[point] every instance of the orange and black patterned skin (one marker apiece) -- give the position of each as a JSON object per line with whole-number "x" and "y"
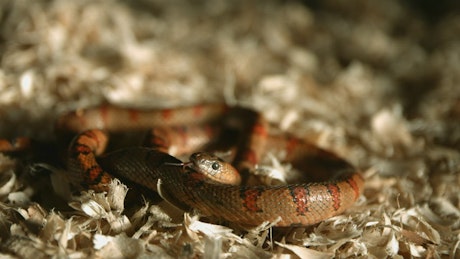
{"x": 337, "y": 184}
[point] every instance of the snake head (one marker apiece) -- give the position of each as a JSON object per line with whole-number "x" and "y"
{"x": 214, "y": 168}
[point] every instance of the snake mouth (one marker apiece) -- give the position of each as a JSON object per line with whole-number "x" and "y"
{"x": 191, "y": 167}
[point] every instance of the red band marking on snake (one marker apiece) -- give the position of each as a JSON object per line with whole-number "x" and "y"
{"x": 82, "y": 149}
{"x": 260, "y": 130}
{"x": 334, "y": 191}
{"x": 167, "y": 114}
{"x": 354, "y": 186}
{"x": 300, "y": 199}
{"x": 94, "y": 175}
{"x": 249, "y": 199}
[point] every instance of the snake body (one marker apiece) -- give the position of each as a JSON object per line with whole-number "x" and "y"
{"x": 336, "y": 186}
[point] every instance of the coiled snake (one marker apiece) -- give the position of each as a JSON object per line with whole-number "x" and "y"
{"x": 206, "y": 182}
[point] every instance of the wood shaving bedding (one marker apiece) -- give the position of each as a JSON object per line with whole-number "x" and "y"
{"x": 376, "y": 82}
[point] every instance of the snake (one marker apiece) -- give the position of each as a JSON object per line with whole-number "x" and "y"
{"x": 205, "y": 182}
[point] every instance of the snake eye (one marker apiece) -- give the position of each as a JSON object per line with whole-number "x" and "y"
{"x": 215, "y": 166}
